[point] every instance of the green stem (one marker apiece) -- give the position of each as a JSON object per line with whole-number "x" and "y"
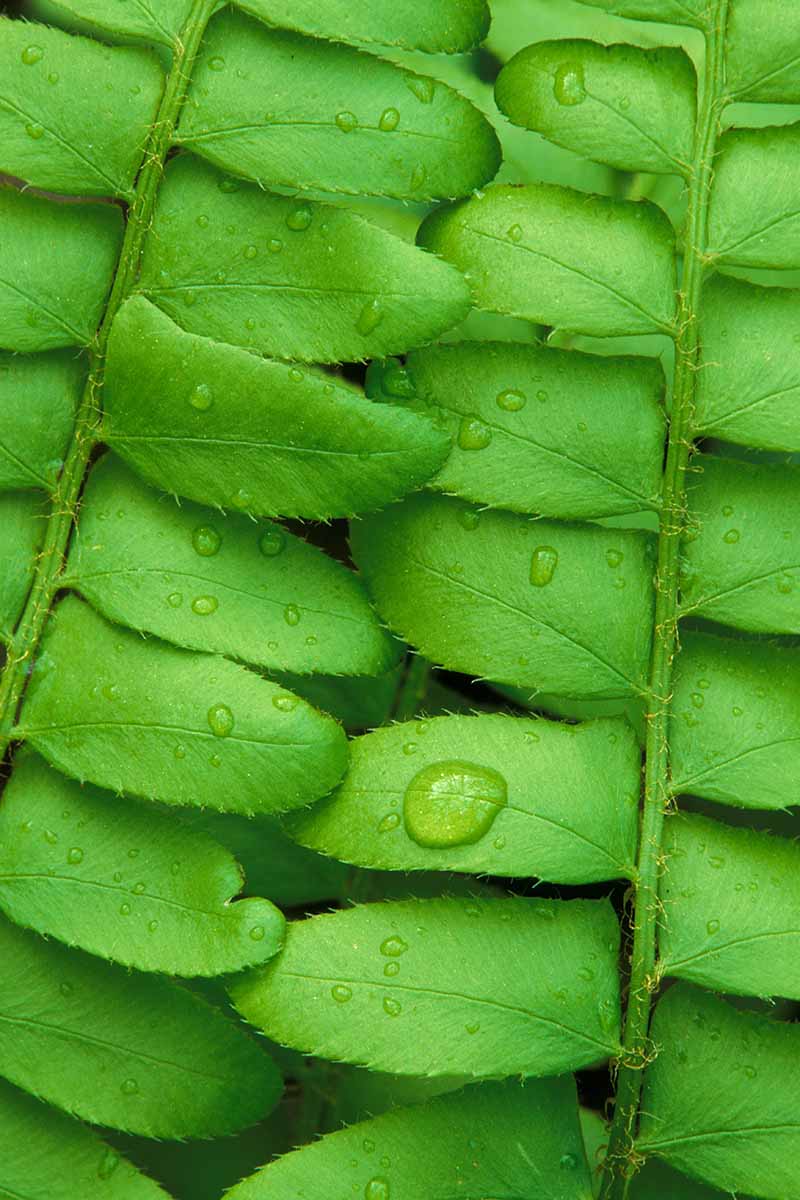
{"x": 644, "y": 978}
{"x": 66, "y": 494}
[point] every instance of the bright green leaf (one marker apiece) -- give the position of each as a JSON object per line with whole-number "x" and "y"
{"x": 742, "y": 559}
{"x": 763, "y": 51}
{"x": 598, "y": 266}
{"x": 565, "y": 435}
{"x": 748, "y": 384}
{"x": 295, "y": 279}
{"x": 157, "y": 21}
{"x": 495, "y": 794}
{"x": 133, "y": 1052}
{"x": 731, "y": 902}
{"x": 283, "y": 109}
{"x": 124, "y": 881}
{"x": 508, "y": 598}
{"x": 735, "y": 729}
{"x": 497, "y": 1139}
{"x": 48, "y": 1156}
{"x": 631, "y": 108}
{"x": 226, "y": 584}
{"x": 432, "y": 987}
{"x": 719, "y": 1102}
{"x": 140, "y": 716}
{"x": 56, "y": 264}
{"x": 22, "y": 523}
{"x": 40, "y": 393}
{"x": 754, "y": 220}
{"x": 74, "y": 115}
{"x": 447, "y": 26}
{"x": 227, "y": 428}
{"x": 675, "y": 12}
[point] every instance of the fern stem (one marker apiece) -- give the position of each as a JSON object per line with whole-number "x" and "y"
{"x": 644, "y": 976}
{"x": 66, "y": 494}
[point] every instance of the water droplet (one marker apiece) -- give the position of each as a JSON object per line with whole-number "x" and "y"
{"x": 750, "y": 1072}
{"x": 285, "y": 703}
{"x": 51, "y": 837}
{"x": 515, "y": 233}
{"x": 341, "y": 993}
{"x": 544, "y": 561}
{"x": 731, "y": 537}
{"x": 152, "y": 926}
{"x": 369, "y": 1145}
{"x": 201, "y": 397}
{"x": 347, "y": 121}
{"x": 205, "y": 605}
{"x": 473, "y": 434}
{"x": 291, "y": 614}
{"x": 31, "y": 55}
{"x": 568, "y": 1162}
{"x": 370, "y": 317}
{"x": 202, "y": 221}
{"x": 175, "y": 599}
{"x": 542, "y": 396}
{"x": 716, "y": 861}
{"x": 568, "y": 84}
{"x": 34, "y": 130}
{"x": 397, "y": 381}
{"x": 422, "y": 87}
{"x": 377, "y": 1189}
{"x": 391, "y": 969}
{"x": 220, "y": 720}
{"x": 392, "y": 1007}
{"x": 698, "y": 699}
{"x": 53, "y": 77}
{"x": 389, "y": 822}
{"x": 586, "y": 973}
{"x": 469, "y": 519}
{"x": 614, "y": 558}
{"x": 109, "y": 1162}
{"x": 452, "y": 803}
{"x": 393, "y": 946}
{"x": 125, "y": 910}
{"x": 75, "y": 855}
{"x": 511, "y": 400}
{"x": 624, "y": 103}
{"x": 206, "y": 540}
{"x": 411, "y": 747}
{"x": 274, "y": 245}
{"x": 216, "y": 63}
{"x": 712, "y": 927}
{"x": 299, "y": 218}
{"x": 472, "y": 1029}
{"x": 389, "y": 120}
{"x": 129, "y": 1087}
{"x": 257, "y": 933}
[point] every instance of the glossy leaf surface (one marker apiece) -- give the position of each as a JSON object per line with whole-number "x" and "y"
{"x": 40, "y": 393}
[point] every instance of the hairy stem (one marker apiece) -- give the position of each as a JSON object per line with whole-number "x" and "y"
{"x": 66, "y": 494}
{"x": 636, "y": 1048}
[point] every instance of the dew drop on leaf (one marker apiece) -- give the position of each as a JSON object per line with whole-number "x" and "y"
{"x": 220, "y": 720}
{"x": 422, "y": 87}
{"x": 341, "y": 993}
{"x": 299, "y": 218}
{"x": 31, "y": 55}
{"x": 129, "y": 1087}
{"x": 452, "y": 803}
{"x": 291, "y": 614}
{"x": 206, "y": 541}
{"x": 511, "y": 400}
{"x": 473, "y": 434}
{"x": 201, "y": 397}
{"x": 257, "y": 933}
{"x": 34, "y": 130}
{"x": 389, "y": 822}
{"x": 544, "y": 561}
{"x": 389, "y": 120}
{"x": 392, "y": 1007}
{"x": 346, "y": 121}
{"x": 284, "y": 703}
{"x": 205, "y": 605}
{"x": 568, "y": 84}
{"x": 271, "y": 542}
{"x": 370, "y": 317}
{"x": 377, "y": 1189}
{"x": 394, "y": 946}
{"x": 712, "y": 927}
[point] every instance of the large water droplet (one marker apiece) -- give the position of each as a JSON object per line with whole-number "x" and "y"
{"x": 206, "y": 540}
{"x": 285, "y": 703}
{"x": 452, "y": 803}
{"x": 511, "y": 400}
{"x": 347, "y": 121}
{"x": 220, "y": 720}
{"x": 473, "y": 434}
{"x": 341, "y": 993}
{"x": 205, "y": 605}
{"x": 394, "y": 946}
{"x": 544, "y": 561}
{"x": 299, "y": 218}
{"x": 568, "y": 84}
{"x": 389, "y": 120}
{"x": 377, "y": 1189}
{"x": 31, "y": 55}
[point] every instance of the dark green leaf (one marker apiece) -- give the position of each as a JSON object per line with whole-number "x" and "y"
{"x": 39, "y": 396}
{"x": 227, "y": 428}
{"x": 448, "y": 25}
{"x": 56, "y": 264}
{"x": 22, "y": 523}
{"x": 221, "y": 583}
{"x": 397, "y": 986}
{"x": 290, "y": 277}
{"x": 763, "y": 51}
{"x": 631, "y": 108}
{"x": 133, "y": 1052}
{"x": 283, "y": 109}
{"x": 735, "y": 730}
{"x": 731, "y": 908}
{"x": 361, "y": 702}
{"x": 742, "y": 559}
{"x": 508, "y": 598}
{"x": 719, "y": 1102}
{"x": 563, "y": 434}
{"x": 124, "y": 881}
{"x": 748, "y": 385}
{"x": 47, "y": 1156}
{"x": 492, "y": 793}
{"x": 549, "y": 254}
{"x": 495, "y": 1139}
{"x": 140, "y": 716}
{"x": 754, "y": 220}
{"x": 74, "y": 115}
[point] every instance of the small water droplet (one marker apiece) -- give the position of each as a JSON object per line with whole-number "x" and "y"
{"x": 712, "y": 927}
{"x": 75, "y": 855}
{"x": 205, "y": 605}
{"x": 544, "y": 561}
{"x": 125, "y": 910}
{"x": 417, "y": 177}
{"x": 392, "y": 1007}
{"x": 220, "y": 720}
{"x": 129, "y": 1087}
{"x": 346, "y": 121}
{"x": 257, "y": 933}
{"x": 514, "y": 233}
{"x": 624, "y": 103}
{"x": 291, "y": 614}
{"x": 377, "y": 1189}
{"x": 216, "y": 63}
{"x": 271, "y": 542}
{"x": 299, "y": 218}
{"x": 731, "y": 537}
{"x": 452, "y": 803}
{"x": 391, "y": 969}
{"x": 511, "y": 400}
{"x": 201, "y": 398}
{"x": 138, "y": 889}
{"x": 31, "y": 55}
{"x": 393, "y": 946}
{"x": 206, "y": 541}
{"x": 614, "y": 558}
{"x": 389, "y": 120}
{"x": 341, "y": 993}
{"x": 51, "y": 837}
{"x": 410, "y": 747}
{"x": 750, "y": 1072}
{"x": 370, "y": 317}
{"x": 473, "y": 434}
{"x": 175, "y": 599}
{"x": 542, "y": 396}
{"x": 285, "y": 703}
{"x": 274, "y": 245}
{"x": 202, "y": 221}
{"x": 34, "y": 130}
{"x": 568, "y": 1162}
{"x": 389, "y": 822}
